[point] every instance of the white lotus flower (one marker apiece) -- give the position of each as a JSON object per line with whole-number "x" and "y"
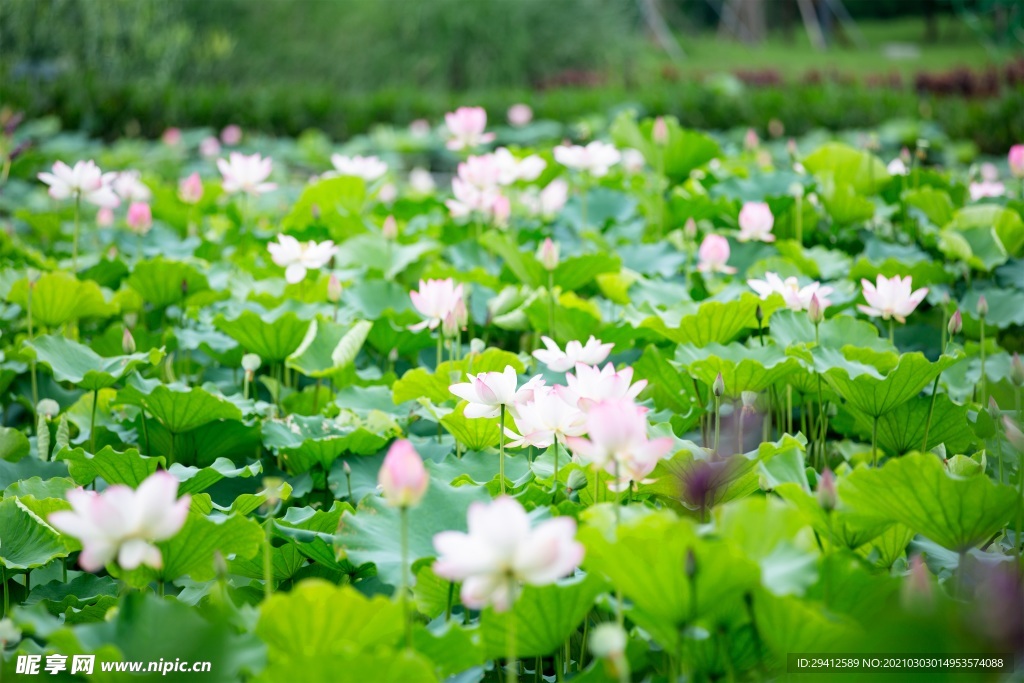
{"x": 299, "y": 257}
{"x": 246, "y": 173}
{"x": 368, "y": 168}
{"x": 593, "y": 352}
{"x": 84, "y": 180}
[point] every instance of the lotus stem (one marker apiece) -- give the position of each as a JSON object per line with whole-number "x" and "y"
{"x": 984, "y": 380}
{"x": 511, "y": 664}
{"x": 403, "y": 513}
{"x": 268, "y": 565}
{"x": 7, "y": 597}
{"x": 74, "y": 238}
{"x": 451, "y": 599}
{"x": 32, "y": 363}
{"x": 798, "y": 219}
{"x": 554, "y": 487}
{"x": 92, "y": 421}
{"x": 718, "y": 424}
{"x": 892, "y": 331}
{"x": 501, "y": 451}
{"x": 551, "y": 304}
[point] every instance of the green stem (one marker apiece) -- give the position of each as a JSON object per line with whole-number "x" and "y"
{"x": 551, "y": 304}
{"x": 718, "y": 422}
{"x": 440, "y": 349}
{"x": 404, "y": 586}
{"x": 799, "y": 219}
{"x": 451, "y": 599}
{"x": 1020, "y": 505}
{"x": 32, "y": 363}
{"x": 74, "y": 239}
{"x": 92, "y": 421}
{"x": 7, "y": 597}
{"x": 892, "y": 331}
{"x": 316, "y": 396}
{"x": 501, "y": 448}
{"x": 511, "y": 664}
{"x": 935, "y": 391}
{"x": 268, "y": 565}
{"x": 554, "y": 486}
{"x": 145, "y": 430}
{"x": 984, "y": 380}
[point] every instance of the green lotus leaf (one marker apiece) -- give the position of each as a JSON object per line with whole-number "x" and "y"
{"x": 304, "y": 442}
{"x": 420, "y": 383}
{"x": 712, "y": 321}
{"x": 862, "y": 171}
{"x": 328, "y": 347}
{"x": 39, "y": 488}
{"x": 476, "y": 434}
{"x": 793, "y": 327}
{"x": 901, "y": 430}
{"x": 935, "y": 204}
{"x": 373, "y": 252}
{"x": 26, "y": 540}
{"x": 453, "y": 648}
{"x": 196, "y": 479}
{"x": 916, "y": 490}
{"x": 273, "y": 335}
{"x": 14, "y": 445}
{"x": 111, "y": 466}
{"x": 162, "y": 282}
{"x": 666, "y": 386}
{"x": 84, "y": 589}
{"x": 788, "y": 624}
{"x": 1007, "y": 224}
{"x": 336, "y": 203}
{"x": 80, "y": 365}
{"x": 843, "y": 527}
{"x": 312, "y": 531}
{"x": 685, "y": 150}
{"x": 979, "y": 247}
{"x": 60, "y": 297}
{"x": 742, "y": 368}
{"x": 177, "y": 407}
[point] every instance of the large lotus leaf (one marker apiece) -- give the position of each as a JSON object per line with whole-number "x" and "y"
{"x": 177, "y": 407}
{"x": 861, "y": 170}
{"x": 196, "y": 479}
{"x": 788, "y": 624}
{"x": 203, "y": 445}
{"x": 876, "y": 383}
{"x": 901, "y": 430}
{"x": 332, "y": 202}
{"x": 162, "y": 282}
{"x": 936, "y": 205}
{"x": 14, "y": 445}
{"x": 742, "y": 368}
{"x": 388, "y": 665}
{"x": 684, "y": 151}
{"x": 113, "y": 467}
{"x": 60, "y": 297}
{"x": 84, "y": 589}
{"x": 844, "y": 204}
{"x": 476, "y": 434}
{"x": 816, "y": 262}
{"x": 1007, "y": 224}
{"x": 544, "y": 617}
{"x": 373, "y": 252}
{"x": 453, "y": 648}
{"x": 372, "y": 533}
{"x": 792, "y": 327}
{"x": 842, "y": 527}
{"x": 712, "y": 321}
{"x": 273, "y": 336}
{"x": 26, "y": 541}
{"x": 328, "y": 347}
{"x": 956, "y": 512}
{"x": 978, "y": 247}
{"x": 312, "y": 531}
{"x": 1005, "y": 306}
{"x": 646, "y": 560}
{"x": 39, "y": 488}
{"x": 80, "y": 365}
{"x": 890, "y": 545}
{"x": 666, "y": 386}
{"x": 307, "y": 441}
{"x": 420, "y": 383}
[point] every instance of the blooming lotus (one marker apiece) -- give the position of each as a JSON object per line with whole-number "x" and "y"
{"x": 500, "y": 552}
{"x": 549, "y": 201}
{"x": 130, "y": 188}
{"x": 421, "y": 180}
{"x": 209, "y": 147}
{"x": 756, "y": 223}
{"x": 84, "y": 180}
{"x": 124, "y": 524}
{"x": 986, "y": 188}
{"x": 797, "y": 298}
{"x": 512, "y": 170}
{"x": 247, "y": 174}
{"x": 591, "y": 353}
{"x": 466, "y": 125}
{"x": 299, "y": 257}
{"x": 368, "y": 168}
{"x": 633, "y": 160}
{"x": 897, "y": 167}
{"x": 519, "y": 115}
{"x": 488, "y": 392}
{"x": 891, "y": 297}
{"x": 590, "y": 385}
{"x": 190, "y": 189}
{"x": 140, "y": 217}
{"x": 596, "y": 158}
{"x": 402, "y": 477}
{"x": 545, "y": 419}
{"x": 435, "y": 299}
{"x": 231, "y": 135}
{"x": 713, "y": 255}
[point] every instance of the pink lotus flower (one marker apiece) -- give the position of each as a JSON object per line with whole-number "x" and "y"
{"x": 593, "y": 352}
{"x": 659, "y": 131}
{"x": 633, "y": 160}
{"x": 171, "y": 137}
{"x": 83, "y": 181}
{"x": 756, "y": 223}
{"x": 140, "y": 217}
{"x": 124, "y": 524}
{"x": 547, "y": 254}
{"x": 713, "y": 255}
{"x": 402, "y": 476}
{"x": 246, "y": 173}
{"x": 231, "y": 135}
{"x": 512, "y": 169}
{"x": 501, "y": 552}
{"x": 596, "y": 158}
{"x": 545, "y": 420}
{"x": 986, "y": 188}
{"x": 489, "y": 391}
{"x": 590, "y": 385}
{"x": 389, "y": 230}
{"x": 617, "y": 431}
{"x": 419, "y": 128}
{"x": 466, "y": 126}
{"x": 435, "y": 299}
{"x": 190, "y": 189}
{"x": 897, "y": 167}
{"x": 549, "y": 201}
{"x": 469, "y": 199}
{"x": 299, "y": 257}
{"x": 891, "y": 297}
{"x": 797, "y": 298}
{"x": 209, "y": 147}
{"x": 105, "y": 217}
{"x": 368, "y": 168}
{"x": 1016, "y": 160}
{"x": 130, "y": 188}
{"x": 519, "y": 115}
{"x": 422, "y": 181}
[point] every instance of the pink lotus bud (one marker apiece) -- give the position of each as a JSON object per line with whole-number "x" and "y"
{"x": 750, "y": 140}
{"x": 690, "y": 229}
{"x": 982, "y": 306}
{"x": 333, "y": 289}
{"x": 1016, "y": 160}
{"x": 190, "y": 189}
{"x": 127, "y": 341}
{"x": 827, "y": 490}
{"x": 171, "y": 137}
{"x": 791, "y": 147}
{"x": 390, "y": 228}
{"x": 660, "y": 131}
{"x": 519, "y": 115}
{"x": 917, "y": 587}
{"x": 956, "y": 323}
{"x": 140, "y": 217}
{"x": 815, "y": 311}
{"x": 209, "y": 147}
{"x": 450, "y": 325}
{"x": 105, "y": 217}
{"x": 231, "y": 135}
{"x": 713, "y": 255}
{"x": 547, "y": 254}
{"x": 905, "y": 155}
{"x": 1016, "y": 370}
{"x": 993, "y": 409}
{"x": 719, "y": 386}
{"x": 402, "y": 477}
{"x": 1013, "y": 433}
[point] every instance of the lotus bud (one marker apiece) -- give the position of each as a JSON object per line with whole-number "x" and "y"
{"x": 190, "y": 189}
{"x": 956, "y": 323}
{"x": 608, "y": 641}
{"x": 815, "y": 311}
{"x": 334, "y": 289}
{"x": 905, "y": 155}
{"x": 140, "y": 217}
{"x": 764, "y": 483}
{"x": 390, "y": 229}
{"x": 719, "y": 386}
{"x": 450, "y": 325}
{"x": 690, "y": 229}
{"x": 1016, "y": 370}
{"x": 827, "y": 490}
{"x": 9, "y": 633}
{"x": 982, "y": 306}
{"x": 48, "y": 408}
{"x": 577, "y": 480}
{"x": 220, "y": 565}
{"x": 477, "y": 346}
{"x": 402, "y": 476}
{"x": 1013, "y": 433}
{"x": 346, "y": 468}
{"x": 251, "y": 363}
{"x": 791, "y": 147}
{"x": 1016, "y": 160}
{"x": 105, "y": 217}
{"x": 547, "y": 254}
{"x": 917, "y": 586}
{"x": 127, "y": 342}
{"x": 660, "y": 132}
{"x": 749, "y": 398}
{"x": 750, "y": 140}
{"x": 690, "y": 566}
{"x": 993, "y": 409}
{"x": 759, "y": 314}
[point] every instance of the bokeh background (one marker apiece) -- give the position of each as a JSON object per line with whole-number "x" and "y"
{"x": 135, "y": 67}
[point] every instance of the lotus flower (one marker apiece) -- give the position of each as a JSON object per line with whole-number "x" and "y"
{"x": 713, "y": 255}
{"x": 209, "y": 147}
{"x": 489, "y": 391}
{"x": 130, "y": 188}
{"x": 299, "y": 257}
{"x": 246, "y": 173}
{"x": 124, "y": 524}
{"x": 756, "y": 223}
{"x": 891, "y": 297}
{"x": 500, "y": 552}
{"x": 591, "y": 353}
{"x": 231, "y": 135}
{"x": 367, "y": 168}
{"x": 402, "y": 477}
{"x": 797, "y": 298}
{"x": 1016, "y": 160}
{"x": 549, "y": 201}
{"x": 547, "y": 254}
{"x": 545, "y": 420}
{"x": 590, "y": 385}
{"x": 435, "y": 299}
{"x": 421, "y": 181}
{"x": 140, "y": 217}
{"x": 519, "y": 115}
{"x": 512, "y": 170}
{"x": 596, "y": 158}
{"x": 190, "y": 189}
{"x": 466, "y": 126}
{"x": 986, "y": 188}
{"x": 83, "y": 181}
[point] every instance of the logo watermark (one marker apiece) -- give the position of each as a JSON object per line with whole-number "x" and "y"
{"x": 86, "y": 664}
